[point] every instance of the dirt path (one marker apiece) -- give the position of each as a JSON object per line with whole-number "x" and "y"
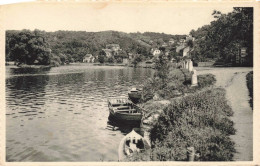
{"x": 234, "y": 81}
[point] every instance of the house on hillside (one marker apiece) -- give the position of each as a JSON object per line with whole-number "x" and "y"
{"x": 125, "y": 60}
{"x": 183, "y": 48}
{"x": 164, "y": 44}
{"x": 171, "y": 41}
{"x": 180, "y": 47}
{"x": 182, "y": 41}
{"x": 108, "y": 52}
{"x": 189, "y": 37}
{"x": 186, "y": 51}
{"x": 114, "y": 47}
{"x": 112, "y": 50}
{"x": 88, "y": 58}
{"x": 155, "y": 52}
{"x": 130, "y": 56}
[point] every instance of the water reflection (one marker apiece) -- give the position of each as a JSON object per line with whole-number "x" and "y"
{"x": 62, "y": 115}
{"x": 28, "y": 70}
{"x": 26, "y": 95}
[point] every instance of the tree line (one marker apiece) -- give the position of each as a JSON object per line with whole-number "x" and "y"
{"x": 225, "y": 36}
{"x": 45, "y": 48}
{"x": 221, "y": 40}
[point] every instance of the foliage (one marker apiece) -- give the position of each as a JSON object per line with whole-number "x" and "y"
{"x": 172, "y": 82}
{"x": 206, "y": 80}
{"x": 74, "y": 45}
{"x": 249, "y": 78}
{"x": 55, "y": 60}
{"x": 101, "y": 56}
{"x": 162, "y": 67}
{"x": 200, "y": 120}
{"x": 224, "y": 37}
{"x": 28, "y": 47}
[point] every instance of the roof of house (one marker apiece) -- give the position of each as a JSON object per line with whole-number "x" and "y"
{"x": 107, "y": 50}
{"x": 88, "y": 55}
{"x": 112, "y": 45}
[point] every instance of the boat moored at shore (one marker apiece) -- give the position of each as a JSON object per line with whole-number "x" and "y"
{"x": 135, "y": 94}
{"x": 122, "y": 109}
{"x": 132, "y": 142}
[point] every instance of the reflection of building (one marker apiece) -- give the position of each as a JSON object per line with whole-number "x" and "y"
{"x": 88, "y": 58}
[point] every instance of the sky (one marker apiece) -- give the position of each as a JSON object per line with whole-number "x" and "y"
{"x": 170, "y": 18}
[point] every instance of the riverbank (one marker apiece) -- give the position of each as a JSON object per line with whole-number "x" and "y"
{"x": 227, "y": 145}
{"x": 199, "y": 118}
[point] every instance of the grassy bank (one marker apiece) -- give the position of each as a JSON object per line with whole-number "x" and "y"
{"x": 174, "y": 83}
{"x": 180, "y": 115}
{"x": 249, "y": 78}
{"x": 200, "y": 120}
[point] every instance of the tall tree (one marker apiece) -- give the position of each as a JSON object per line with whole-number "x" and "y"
{"x": 225, "y": 36}
{"x": 29, "y": 47}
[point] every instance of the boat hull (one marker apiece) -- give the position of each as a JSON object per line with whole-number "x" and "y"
{"x": 125, "y": 117}
{"x": 134, "y": 96}
{"x": 121, "y": 149}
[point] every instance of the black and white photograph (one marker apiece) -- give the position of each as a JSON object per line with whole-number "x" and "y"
{"x": 122, "y": 82}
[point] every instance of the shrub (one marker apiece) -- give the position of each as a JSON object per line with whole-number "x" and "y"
{"x": 206, "y": 80}
{"x": 176, "y": 82}
{"x": 249, "y": 78}
{"x": 200, "y": 120}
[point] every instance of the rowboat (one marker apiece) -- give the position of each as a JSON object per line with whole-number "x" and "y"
{"x": 135, "y": 95}
{"x": 132, "y": 142}
{"x": 122, "y": 109}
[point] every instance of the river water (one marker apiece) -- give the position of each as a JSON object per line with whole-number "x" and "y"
{"x": 62, "y": 114}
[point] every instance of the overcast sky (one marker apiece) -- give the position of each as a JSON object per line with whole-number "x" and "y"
{"x": 153, "y": 17}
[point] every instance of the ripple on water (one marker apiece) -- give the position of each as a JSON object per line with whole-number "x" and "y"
{"x": 72, "y": 107}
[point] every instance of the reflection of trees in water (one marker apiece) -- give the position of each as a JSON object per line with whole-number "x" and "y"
{"x": 26, "y": 90}
{"x": 72, "y": 78}
{"x": 28, "y": 83}
{"x": 28, "y": 70}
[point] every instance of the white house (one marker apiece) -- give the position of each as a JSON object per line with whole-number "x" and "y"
{"x": 171, "y": 41}
{"x": 88, "y": 58}
{"x": 114, "y": 47}
{"x": 108, "y": 52}
{"x": 190, "y": 38}
{"x": 156, "y": 52}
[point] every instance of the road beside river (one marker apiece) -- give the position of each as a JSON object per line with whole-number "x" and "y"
{"x": 234, "y": 81}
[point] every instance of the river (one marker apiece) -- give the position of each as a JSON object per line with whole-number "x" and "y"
{"x": 62, "y": 114}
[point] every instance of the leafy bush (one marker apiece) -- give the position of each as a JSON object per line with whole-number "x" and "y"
{"x": 249, "y": 78}
{"x": 175, "y": 83}
{"x": 200, "y": 120}
{"x": 206, "y": 80}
